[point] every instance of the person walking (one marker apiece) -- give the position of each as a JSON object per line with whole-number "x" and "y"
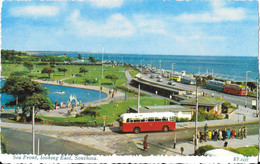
{"x": 206, "y": 127}
{"x": 201, "y": 136}
{"x": 145, "y": 144}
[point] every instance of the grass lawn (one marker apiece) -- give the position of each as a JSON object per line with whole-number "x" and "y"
{"x": 133, "y": 73}
{"x": 93, "y": 72}
{"x": 110, "y": 110}
{"x": 247, "y": 151}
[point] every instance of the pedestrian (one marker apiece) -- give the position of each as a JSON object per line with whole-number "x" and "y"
{"x": 206, "y": 136}
{"x": 220, "y": 137}
{"x": 156, "y": 92}
{"x": 245, "y": 131}
{"x": 112, "y": 94}
{"x": 198, "y": 138}
{"x": 217, "y": 135}
{"x": 242, "y": 132}
{"x": 145, "y": 144}
{"x": 182, "y": 150}
{"x": 233, "y": 133}
{"x": 201, "y": 136}
{"x": 224, "y": 134}
{"x": 193, "y": 138}
{"x": 209, "y": 135}
{"x": 206, "y": 127}
{"x": 239, "y": 133}
{"x": 174, "y": 142}
{"x": 213, "y": 134}
{"x": 228, "y": 133}
{"x": 225, "y": 144}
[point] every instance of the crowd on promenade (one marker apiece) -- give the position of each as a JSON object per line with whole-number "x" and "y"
{"x": 219, "y": 134}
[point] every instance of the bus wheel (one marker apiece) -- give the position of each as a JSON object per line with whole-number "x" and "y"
{"x": 136, "y": 130}
{"x": 165, "y": 129}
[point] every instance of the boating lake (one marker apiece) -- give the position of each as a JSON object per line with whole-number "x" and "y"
{"x": 83, "y": 95}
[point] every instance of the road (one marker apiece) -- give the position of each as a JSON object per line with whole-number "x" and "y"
{"x": 98, "y": 143}
{"x": 240, "y": 100}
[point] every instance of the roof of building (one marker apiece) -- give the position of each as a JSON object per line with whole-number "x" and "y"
{"x": 162, "y": 108}
{"x": 203, "y": 101}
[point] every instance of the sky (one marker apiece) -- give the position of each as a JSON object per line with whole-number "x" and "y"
{"x": 216, "y": 28}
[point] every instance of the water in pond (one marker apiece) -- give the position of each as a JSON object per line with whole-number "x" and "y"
{"x": 83, "y": 95}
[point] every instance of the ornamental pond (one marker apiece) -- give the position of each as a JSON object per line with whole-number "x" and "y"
{"x": 56, "y": 95}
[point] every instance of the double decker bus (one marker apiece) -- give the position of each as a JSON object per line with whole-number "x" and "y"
{"x": 215, "y": 85}
{"x": 234, "y": 89}
{"x": 141, "y": 122}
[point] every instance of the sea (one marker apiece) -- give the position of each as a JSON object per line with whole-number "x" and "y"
{"x": 226, "y": 67}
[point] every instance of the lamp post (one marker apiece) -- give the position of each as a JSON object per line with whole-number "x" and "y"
{"x": 246, "y": 88}
{"x": 196, "y": 121}
{"x": 172, "y": 68}
{"x": 257, "y": 96}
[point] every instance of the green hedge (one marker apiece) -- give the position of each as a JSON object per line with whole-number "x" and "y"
{"x": 3, "y": 144}
{"x": 202, "y": 149}
{"x": 130, "y": 90}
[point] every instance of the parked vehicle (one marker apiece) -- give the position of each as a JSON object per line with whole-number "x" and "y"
{"x": 188, "y": 80}
{"x": 159, "y": 80}
{"x": 140, "y": 122}
{"x": 215, "y": 85}
{"x": 171, "y": 83}
{"x": 234, "y": 89}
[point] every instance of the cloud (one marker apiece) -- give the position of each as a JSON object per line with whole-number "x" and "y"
{"x": 114, "y": 26}
{"x": 150, "y": 24}
{"x": 219, "y": 13}
{"x": 106, "y": 3}
{"x": 34, "y": 11}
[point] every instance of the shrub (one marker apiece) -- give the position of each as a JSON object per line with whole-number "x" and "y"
{"x": 202, "y": 149}
{"x": 202, "y": 116}
{"x": 78, "y": 75}
{"x": 226, "y": 105}
{"x": 3, "y": 144}
{"x": 130, "y": 90}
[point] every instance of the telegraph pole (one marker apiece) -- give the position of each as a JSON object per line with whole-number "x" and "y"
{"x": 246, "y": 88}
{"x": 257, "y": 96}
{"x": 196, "y": 121}
{"x": 138, "y": 108}
{"x": 33, "y": 134}
{"x": 102, "y": 62}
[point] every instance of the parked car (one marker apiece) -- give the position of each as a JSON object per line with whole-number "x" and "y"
{"x": 159, "y": 76}
{"x": 160, "y": 80}
{"x": 171, "y": 83}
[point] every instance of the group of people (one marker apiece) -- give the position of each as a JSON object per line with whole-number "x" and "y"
{"x": 219, "y": 134}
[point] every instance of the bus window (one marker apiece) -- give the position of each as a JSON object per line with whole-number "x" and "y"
{"x": 164, "y": 119}
{"x": 128, "y": 120}
{"x": 172, "y": 119}
{"x": 158, "y": 119}
{"x": 150, "y": 119}
{"x": 142, "y": 120}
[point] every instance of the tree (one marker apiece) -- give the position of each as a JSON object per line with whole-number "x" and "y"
{"x": 83, "y": 70}
{"x": 93, "y": 60}
{"x": 28, "y": 65}
{"x": 209, "y": 77}
{"x": 112, "y": 77}
{"x": 48, "y": 70}
{"x": 199, "y": 80}
{"x": 61, "y": 69}
{"x": 27, "y": 92}
{"x": 92, "y": 111}
{"x": 52, "y": 61}
{"x": 79, "y": 56}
